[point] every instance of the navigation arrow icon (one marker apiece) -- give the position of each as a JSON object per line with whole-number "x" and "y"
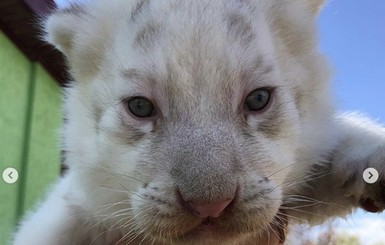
{"x": 370, "y": 175}
{"x": 10, "y": 175}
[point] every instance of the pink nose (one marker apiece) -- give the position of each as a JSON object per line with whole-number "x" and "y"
{"x": 210, "y": 210}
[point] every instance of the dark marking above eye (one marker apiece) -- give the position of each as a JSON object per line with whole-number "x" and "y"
{"x": 132, "y": 73}
{"x": 146, "y": 36}
{"x": 239, "y": 27}
{"x": 139, "y": 76}
{"x": 258, "y": 69}
{"x": 138, "y": 8}
{"x": 264, "y": 66}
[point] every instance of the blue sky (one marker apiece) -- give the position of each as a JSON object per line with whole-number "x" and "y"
{"x": 352, "y": 34}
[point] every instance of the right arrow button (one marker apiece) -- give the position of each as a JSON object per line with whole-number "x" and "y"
{"x": 370, "y": 175}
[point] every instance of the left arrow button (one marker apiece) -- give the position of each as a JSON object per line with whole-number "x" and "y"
{"x": 10, "y": 175}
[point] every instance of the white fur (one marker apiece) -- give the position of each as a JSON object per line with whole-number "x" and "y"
{"x": 124, "y": 172}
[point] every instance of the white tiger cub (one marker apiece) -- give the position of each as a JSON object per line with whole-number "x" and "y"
{"x": 200, "y": 122}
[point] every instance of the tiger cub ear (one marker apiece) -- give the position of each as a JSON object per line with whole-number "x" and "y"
{"x": 62, "y": 26}
{"x": 80, "y": 36}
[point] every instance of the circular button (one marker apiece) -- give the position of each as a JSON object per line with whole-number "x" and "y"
{"x": 10, "y": 175}
{"x": 370, "y": 175}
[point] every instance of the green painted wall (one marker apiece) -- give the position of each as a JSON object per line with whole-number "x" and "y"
{"x": 29, "y": 121}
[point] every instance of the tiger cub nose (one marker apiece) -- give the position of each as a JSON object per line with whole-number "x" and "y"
{"x": 210, "y": 210}
{"x": 205, "y": 210}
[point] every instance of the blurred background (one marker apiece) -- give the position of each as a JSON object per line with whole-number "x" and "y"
{"x": 30, "y": 109}
{"x": 351, "y": 34}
